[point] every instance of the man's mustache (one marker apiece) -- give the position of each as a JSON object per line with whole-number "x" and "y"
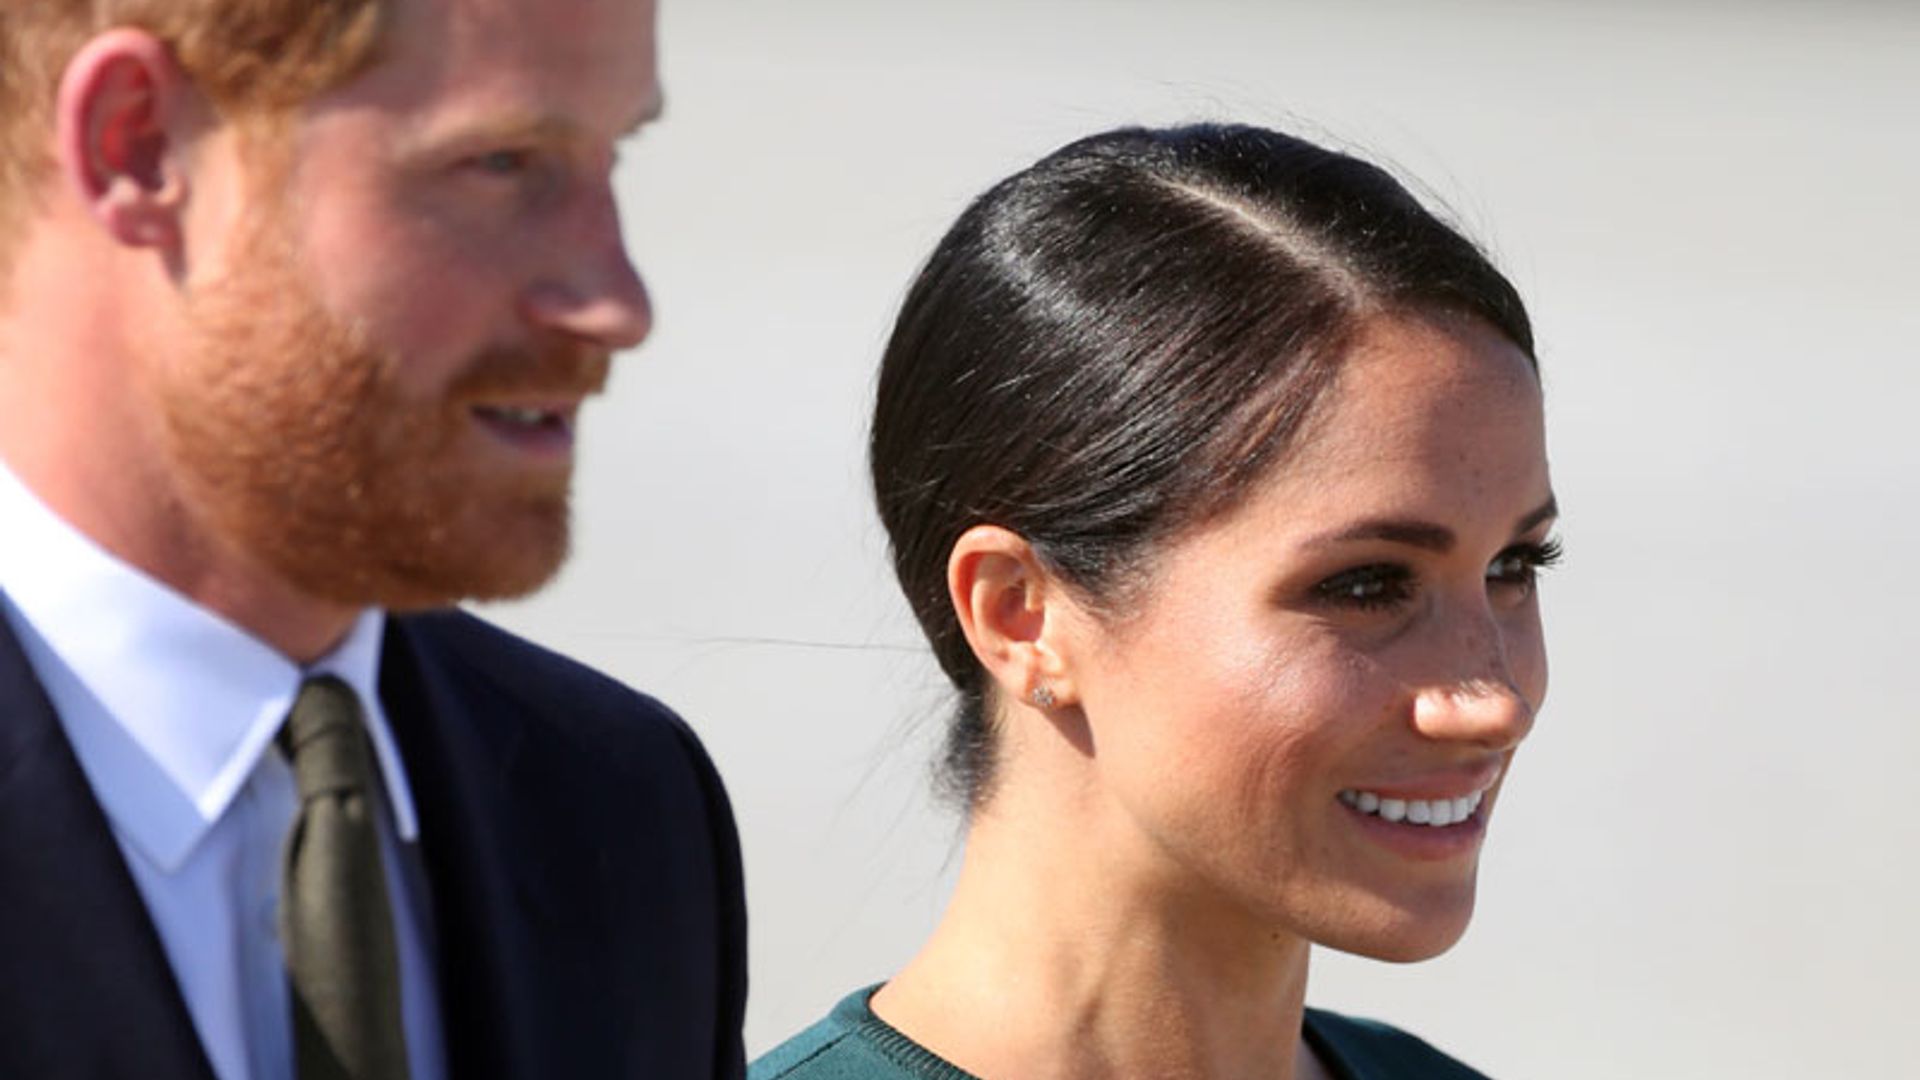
{"x": 558, "y": 369}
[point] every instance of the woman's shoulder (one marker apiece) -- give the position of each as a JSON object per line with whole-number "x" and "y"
{"x": 1359, "y": 1049}
{"x": 851, "y": 1043}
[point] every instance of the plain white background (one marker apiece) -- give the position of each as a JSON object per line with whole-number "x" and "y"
{"x": 1704, "y": 864}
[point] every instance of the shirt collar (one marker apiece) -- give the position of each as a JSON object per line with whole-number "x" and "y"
{"x": 191, "y": 701}
{"x": 357, "y": 661}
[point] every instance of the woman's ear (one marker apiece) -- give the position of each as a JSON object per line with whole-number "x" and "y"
{"x": 1014, "y": 614}
{"x": 123, "y": 117}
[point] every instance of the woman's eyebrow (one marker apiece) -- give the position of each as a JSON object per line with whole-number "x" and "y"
{"x": 1425, "y": 534}
{"x": 1420, "y": 534}
{"x": 1546, "y": 511}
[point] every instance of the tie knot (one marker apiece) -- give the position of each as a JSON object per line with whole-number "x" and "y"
{"x": 325, "y": 740}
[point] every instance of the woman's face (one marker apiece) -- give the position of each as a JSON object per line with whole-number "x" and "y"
{"x": 1306, "y": 717}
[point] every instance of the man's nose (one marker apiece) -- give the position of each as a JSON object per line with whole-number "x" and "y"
{"x": 594, "y": 294}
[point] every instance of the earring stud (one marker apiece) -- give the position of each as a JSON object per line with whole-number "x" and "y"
{"x": 1043, "y": 697}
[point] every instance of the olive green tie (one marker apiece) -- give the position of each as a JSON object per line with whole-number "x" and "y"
{"x": 336, "y": 926}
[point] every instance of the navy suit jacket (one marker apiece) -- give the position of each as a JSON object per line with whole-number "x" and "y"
{"x": 579, "y": 849}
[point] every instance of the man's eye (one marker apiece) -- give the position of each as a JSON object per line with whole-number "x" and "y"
{"x": 504, "y": 162}
{"x": 1368, "y": 587}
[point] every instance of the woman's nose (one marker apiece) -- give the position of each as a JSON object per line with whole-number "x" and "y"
{"x": 1488, "y": 712}
{"x": 1477, "y": 697}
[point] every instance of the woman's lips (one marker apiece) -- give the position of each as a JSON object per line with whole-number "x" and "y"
{"x": 1444, "y": 823}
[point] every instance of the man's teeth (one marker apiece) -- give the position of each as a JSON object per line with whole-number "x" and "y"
{"x": 528, "y": 417}
{"x": 1435, "y": 812}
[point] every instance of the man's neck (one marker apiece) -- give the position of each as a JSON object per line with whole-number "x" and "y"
{"x": 79, "y": 430}
{"x": 131, "y": 514}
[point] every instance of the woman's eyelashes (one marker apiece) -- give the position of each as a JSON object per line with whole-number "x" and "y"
{"x": 1378, "y": 586}
{"x": 1519, "y": 566}
{"x": 1366, "y": 588}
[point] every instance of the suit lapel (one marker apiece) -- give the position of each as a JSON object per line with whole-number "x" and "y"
{"x": 459, "y": 757}
{"x": 85, "y": 986}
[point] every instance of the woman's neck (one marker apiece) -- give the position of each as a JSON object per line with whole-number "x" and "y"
{"x": 1074, "y": 952}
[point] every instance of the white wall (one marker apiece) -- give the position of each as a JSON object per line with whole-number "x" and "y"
{"x": 1705, "y": 863}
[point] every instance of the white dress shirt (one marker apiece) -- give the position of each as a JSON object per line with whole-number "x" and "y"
{"x": 172, "y": 712}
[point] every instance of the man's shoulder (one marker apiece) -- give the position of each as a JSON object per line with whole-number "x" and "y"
{"x": 1371, "y": 1050}
{"x": 612, "y": 813}
{"x": 507, "y": 659}
{"x": 492, "y": 668}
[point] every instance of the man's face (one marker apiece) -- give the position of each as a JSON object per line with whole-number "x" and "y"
{"x": 379, "y": 386}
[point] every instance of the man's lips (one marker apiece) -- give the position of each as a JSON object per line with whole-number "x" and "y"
{"x": 531, "y": 416}
{"x": 544, "y": 427}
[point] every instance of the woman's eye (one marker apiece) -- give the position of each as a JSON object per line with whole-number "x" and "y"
{"x": 1368, "y": 587}
{"x": 1520, "y": 565}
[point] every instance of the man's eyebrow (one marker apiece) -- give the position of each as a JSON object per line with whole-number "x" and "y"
{"x": 512, "y": 127}
{"x": 1424, "y": 534}
{"x": 528, "y": 126}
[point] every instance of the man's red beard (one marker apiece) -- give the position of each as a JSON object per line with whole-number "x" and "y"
{"x": 294, "y": 442}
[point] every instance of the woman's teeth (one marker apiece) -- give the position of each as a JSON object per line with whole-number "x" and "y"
{"x": 1435, "y": 812}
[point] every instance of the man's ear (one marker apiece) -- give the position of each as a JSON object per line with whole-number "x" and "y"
{"x": 121, "y": 126}
{"x": 1013, "y": 612}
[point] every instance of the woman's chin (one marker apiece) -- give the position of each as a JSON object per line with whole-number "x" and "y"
{"x": 1380, "y": 929}
{"x": 1408, "y": 949}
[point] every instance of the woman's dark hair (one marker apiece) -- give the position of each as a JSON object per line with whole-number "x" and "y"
{"x": 1113, "y": 345}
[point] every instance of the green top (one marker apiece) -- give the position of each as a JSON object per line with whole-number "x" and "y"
{"x": 854, "y": 1044}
